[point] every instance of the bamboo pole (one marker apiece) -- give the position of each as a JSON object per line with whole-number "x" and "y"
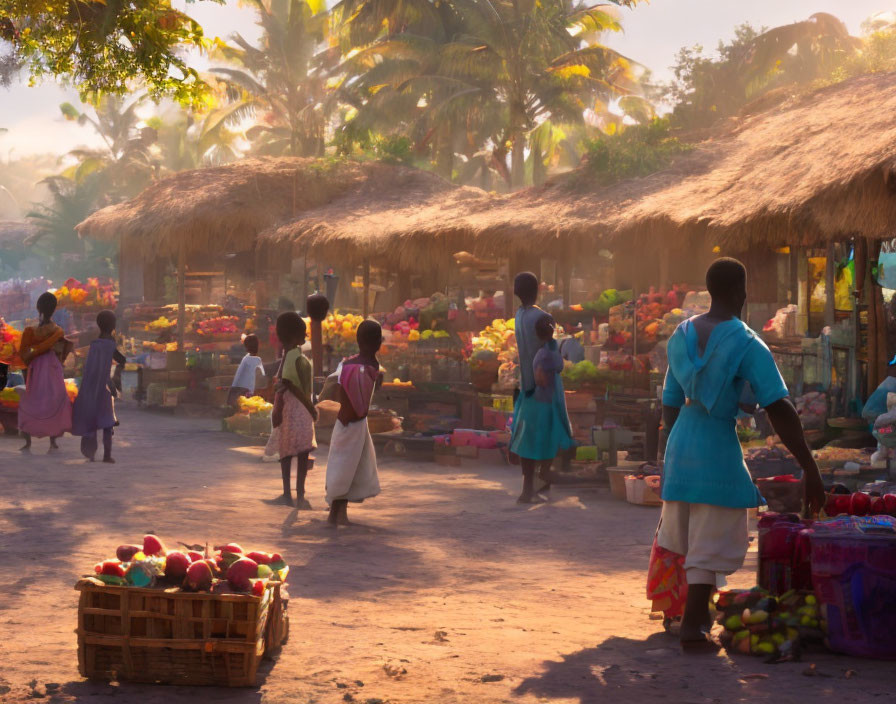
{"x": 365, "y": 306}
{"x": 181, "y": 295}
{"x": 829, "y": 286}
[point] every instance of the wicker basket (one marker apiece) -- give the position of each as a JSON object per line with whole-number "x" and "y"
{"x": 175, "y": 637}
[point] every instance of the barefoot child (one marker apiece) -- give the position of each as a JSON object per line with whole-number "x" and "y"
{"x": 94, "y": 408}
{"x": 706, "y": 487}
{"x": 45, "y": 409}
{"x": 525, "y": 409}
{"x": 351, "y": 465}
{"x": 550, "y": 429}
{"x": 244, "y": 379}
{"x": 294, "y": 414}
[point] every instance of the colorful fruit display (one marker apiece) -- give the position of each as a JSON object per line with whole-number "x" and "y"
{"x": 757, "y": 623}
{"x": 95, "y": 294}
{"x": 340, "y": 332}
{"x": 71, "y": 388}
{"x": 254, "y": 405}
{"x": 227, "y": 568}
{"x": 159, "y": 324}
{"x": 10, "y": 341}
{"x": 221, "y": 326}
{"x": 860, "y": 504}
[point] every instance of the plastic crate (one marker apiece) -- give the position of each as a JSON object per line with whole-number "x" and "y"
{"x": 639, "y": 492}
{"x": 854, "y": 576}
{"x": 175, "y": 637}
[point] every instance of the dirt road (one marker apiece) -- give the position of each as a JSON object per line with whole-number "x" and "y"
{"x": 447, "y": 591}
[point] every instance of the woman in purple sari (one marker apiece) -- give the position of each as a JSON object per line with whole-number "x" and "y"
{"x": 45, "y": 409}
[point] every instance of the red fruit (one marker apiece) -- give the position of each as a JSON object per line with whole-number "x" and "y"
{"x": 830, "y": 506}
{"x": 859, "y": 504}
{"x": 878, "y": 506}
{"x": 258, "y": 587}
{"x": 230, "y": 547}
{"x": 890, "y": 503}
{"x": 199, "y": 577}
{"x": 213, "y": 566}
{"x": 126, "y": 553}
{"x": 112, "y": 568}
{"x": 152, "y": 546}
{"x": 98, "y": 568}
{"x": 195, "y": 556}
{"x": 176, "y": 564}
{"x": 241, "y": 573}
{"x": 262, "y": 558}
{"x": 276, "y": 557}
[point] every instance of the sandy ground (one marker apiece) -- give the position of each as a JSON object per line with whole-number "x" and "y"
{"x": 474, "y": 598}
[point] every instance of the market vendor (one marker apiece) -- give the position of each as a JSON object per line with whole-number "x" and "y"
{"x": 706, "y": 486}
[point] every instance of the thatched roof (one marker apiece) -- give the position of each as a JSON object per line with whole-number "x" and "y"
{"x": 13, "y": 233}
{"x": 397, "y": 213}
{"x": 223, "y": 207}
{"x": 816, "y": 168}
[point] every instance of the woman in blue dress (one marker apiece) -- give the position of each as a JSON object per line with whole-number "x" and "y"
{"x": 706, "y": 486}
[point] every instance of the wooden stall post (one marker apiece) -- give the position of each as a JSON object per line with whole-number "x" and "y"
{"x": 181, "y": 294}
{"x": 829, "y": 286}
{"x": 317, "y": 306}
{"x": 365, "y": 305}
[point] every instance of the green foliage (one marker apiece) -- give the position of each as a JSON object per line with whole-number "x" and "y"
{"x": 102, "y": 46}
{"x": 637, "y": 150}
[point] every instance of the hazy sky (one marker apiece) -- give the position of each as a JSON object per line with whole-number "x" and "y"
{"x": 653, "y": 34}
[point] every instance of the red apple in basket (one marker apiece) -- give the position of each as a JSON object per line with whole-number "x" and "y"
{"x": 878, "y": 506}
{"x": 890, "y": 503}
{"x": 859, "y": 504}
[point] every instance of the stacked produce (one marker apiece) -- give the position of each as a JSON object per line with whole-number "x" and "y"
{"x": 160, "y": 346}
{"x": 757, "y": 623}
{"x": 601, "y": 306}
{"x": 224, "y": 326}
{"x": 585, "y": 373}
{"x": 340, "y": 332}
{"x": 9, "y": 399}
{"x": 841, "y": 502}
{"x": 96, "y": 294}
{"x": 494, "y": 351}
{"x": 10, "y": 341}
{"x": 159, "y": 324}
{"x": 227, "y": 569}
{"x": 425, "y": 312}
{"x": 253, "y": 417}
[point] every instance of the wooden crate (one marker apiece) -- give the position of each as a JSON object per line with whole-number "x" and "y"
{"x": 175, "y": 637}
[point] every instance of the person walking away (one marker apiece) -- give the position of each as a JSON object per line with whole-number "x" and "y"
{"x": 525, "y": 287}
{"x": 294, "y": 413}
{"x": 45, "y": 409}
{"x": 706, "y": 488}
{"x": 351, "y": 465}
{"x": 250, "y": 368}
{"x": 94, "y": 407}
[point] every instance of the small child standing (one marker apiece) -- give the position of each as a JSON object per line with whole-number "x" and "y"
{"x": 294, "y": 413}
{"x": 351, "y": 465}
{"x": 94, "y": 407}
{"x": 250, "y": 366}
{"x": 550, "y": 428}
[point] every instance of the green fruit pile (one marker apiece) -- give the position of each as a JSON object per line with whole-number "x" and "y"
{"x": 757, "y": 623}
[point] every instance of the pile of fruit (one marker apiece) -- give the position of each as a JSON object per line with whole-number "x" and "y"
{"x": 757, "y": 623}
{"x": 585, "y": 373}
{"x": 159, "y": 324}
{"x": 841, "y": 502}
{"x": 254, "y": 405}
{"x": 227, "y": 569}
{"x": 71, "y": 388}
{"x": 160, "y": 346}
{"x": 340, "y": 332}
{"x": 840, "y": 455}
{"x": 10, "y": 341}
{"x": 602, "y": 304}
{"x": 96, "y": 294}
{"x": 221, "y": 326}
{"x": 9, "y": 399}
{"x": 425, "y": 312}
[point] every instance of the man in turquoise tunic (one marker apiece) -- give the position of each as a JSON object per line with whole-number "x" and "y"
{"x": 706, "y": 486}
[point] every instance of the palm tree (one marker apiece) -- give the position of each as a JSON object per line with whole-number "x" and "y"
{"x": 490, "y": 70}
{"x": 282, "y": 81}
{"x": 123, "y": 163}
